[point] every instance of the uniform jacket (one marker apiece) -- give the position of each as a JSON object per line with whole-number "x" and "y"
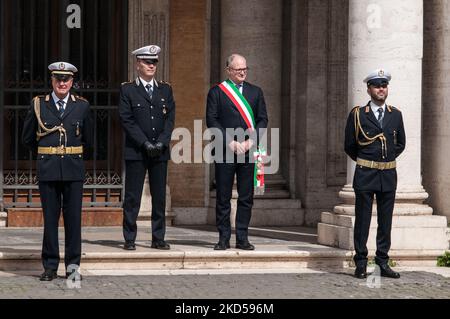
{"x": 369, "y": 179}
{"x": 146, "y": 120}
{"x": 77, "y": 121}
{"x": 221, "y": 113}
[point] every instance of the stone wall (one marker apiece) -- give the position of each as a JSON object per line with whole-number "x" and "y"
{"x": 189, "y": 76}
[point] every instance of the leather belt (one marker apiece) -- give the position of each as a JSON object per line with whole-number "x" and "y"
{"x": 376, "y": 165}
{"x": 60, "y": 150}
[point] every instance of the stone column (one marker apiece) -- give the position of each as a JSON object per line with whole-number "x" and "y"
{"x": 389, "y": 34}
{"x": 436, "y": 116}
{"x": 253, "y": 28}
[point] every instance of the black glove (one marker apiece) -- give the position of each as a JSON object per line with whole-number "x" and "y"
{"x": 150, "y": 149}
{"x": 160, "y": 147}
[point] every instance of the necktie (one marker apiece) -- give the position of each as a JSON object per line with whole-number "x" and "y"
{"x": 149, "y": 90}
{"x": 380, "y": 116}
{"x": 239, "y": 87}
{"x": 61, "y": 107}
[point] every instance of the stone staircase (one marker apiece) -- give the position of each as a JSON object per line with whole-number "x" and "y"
{"x": 274, "y": 208}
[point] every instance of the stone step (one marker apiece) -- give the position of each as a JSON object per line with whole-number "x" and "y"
{"x": 91, "y": 216}
{"x": 272, "y": 182}
{"x": 268, "y": 194}
{"x": 269, "y": 257}
{"x": 266, "y": 212}
{"x": 192, "y": 248}
{"x": 264, "y": 203}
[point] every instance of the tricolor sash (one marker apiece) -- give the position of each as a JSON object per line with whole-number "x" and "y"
{"x": 244, "y": 108}
{"x": 240, "y": 102}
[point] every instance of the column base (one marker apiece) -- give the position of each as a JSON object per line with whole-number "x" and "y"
{"x": 414, "y": 227}
{"x": 408, "y": 232}
{"x": 3, "y": 219}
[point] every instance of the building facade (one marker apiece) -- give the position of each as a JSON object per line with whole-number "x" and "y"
{"x": 309, "y": 57}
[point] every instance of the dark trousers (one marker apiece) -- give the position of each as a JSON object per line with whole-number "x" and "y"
{"x": 70, "y": 195}
{"x": 134, "y": 183}
{"x": 225, "y": 173}
{"x": 363, "y": 214}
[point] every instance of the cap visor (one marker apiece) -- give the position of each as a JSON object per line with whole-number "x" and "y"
{"x": 63, "y": 72}
{"x": 377, "y": 82}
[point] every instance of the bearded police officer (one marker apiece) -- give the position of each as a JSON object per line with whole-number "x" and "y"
{"x": 58, "y": 126}
{"x": 147, "y": 112}
{"x": 374, "y": 138}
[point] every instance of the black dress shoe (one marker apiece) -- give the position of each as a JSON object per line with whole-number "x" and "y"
{"x": 222, "y": 245}
{"x": 361, "y": 272}
{"x": 129, "y": 245}
{"x": 75, "y": 276}
{"x": 48, "y": 275}
{"x": 387, "y": 271}
{"x": 160, "y": 244}
{"x": 245, "y": 245}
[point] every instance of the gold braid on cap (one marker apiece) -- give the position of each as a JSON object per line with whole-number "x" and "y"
{"x": 369, "y": 140}
{"x": 44, "y": 131}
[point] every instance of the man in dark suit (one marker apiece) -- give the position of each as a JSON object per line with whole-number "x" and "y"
{"x": 235, "y": 104}
{"x": 59, "y": 127}
{"x": 374, "y": 138}
{"x": 147, "y": 112}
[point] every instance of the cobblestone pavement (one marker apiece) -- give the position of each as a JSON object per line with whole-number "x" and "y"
{"x": 305, "y": 284}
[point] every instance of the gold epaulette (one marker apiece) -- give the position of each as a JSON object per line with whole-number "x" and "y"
{"x": 164, "y": 82}
{"x": 123, "y": 83}
{"x": 354, "y": 109}
{"x": 391, "y": 107}
{"x": 38, "y": 97}
{"x": 81, "y": 98}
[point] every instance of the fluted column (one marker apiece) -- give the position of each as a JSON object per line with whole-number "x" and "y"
{"x": 389, "y": 34}
{"x": 436, "y": 116}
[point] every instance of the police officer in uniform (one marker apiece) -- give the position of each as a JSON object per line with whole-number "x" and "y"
{"x": 147, "y": 112}
{"x": 374, "y": 138}
{"x": 59, "y": 127}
